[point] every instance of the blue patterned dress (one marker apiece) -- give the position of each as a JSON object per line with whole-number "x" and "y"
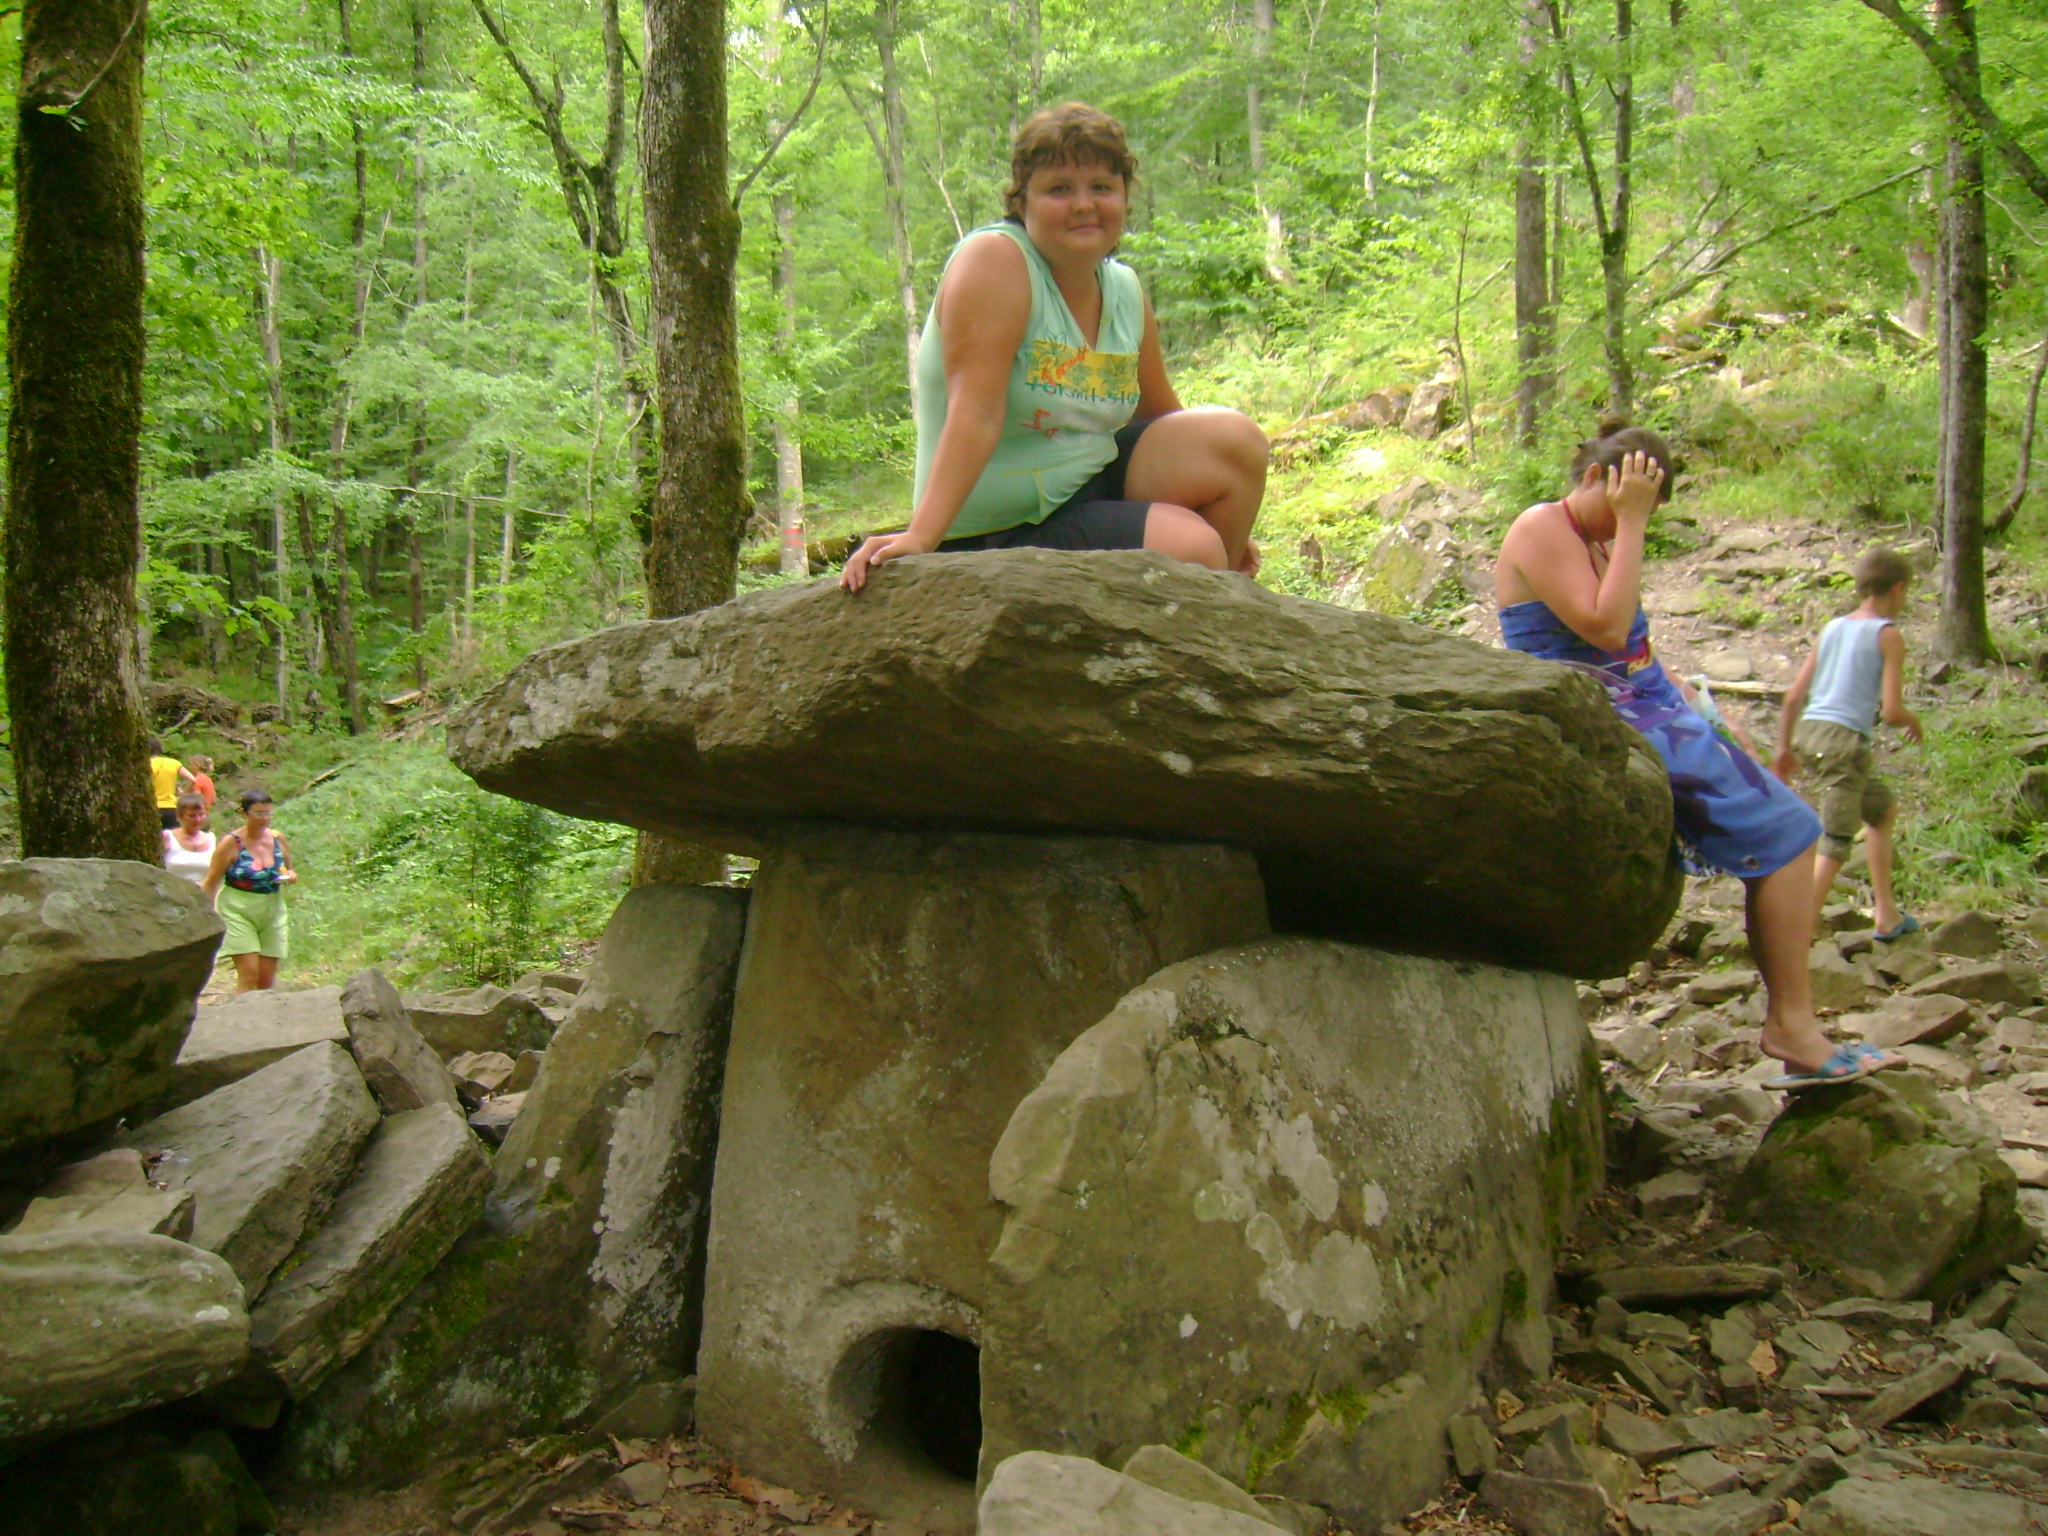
{"x": 1730, "y": 814}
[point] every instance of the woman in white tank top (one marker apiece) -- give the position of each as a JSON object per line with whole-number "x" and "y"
{"x": 188, "y": 848}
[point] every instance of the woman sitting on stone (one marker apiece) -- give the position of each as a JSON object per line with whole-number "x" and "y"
{"x": 1569, "y": 584}
{"x": 1044, "y": 414}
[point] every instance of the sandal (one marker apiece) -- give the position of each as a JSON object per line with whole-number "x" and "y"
{"x": 1848, "y": 1064}
{"x": 1908, "y": 923}
{"x": 1878, "y": 1058}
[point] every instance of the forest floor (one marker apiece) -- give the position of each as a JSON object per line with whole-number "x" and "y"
{"x": 1738, "y": 600}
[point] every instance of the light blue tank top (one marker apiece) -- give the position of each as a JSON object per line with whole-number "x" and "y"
{"x": 1848, "y": 677}
{"x": 1066, "y": 398}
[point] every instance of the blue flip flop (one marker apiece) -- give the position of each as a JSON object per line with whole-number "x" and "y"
{"x": 1908, "y": 923}
{"x": 1848, "y": 1064}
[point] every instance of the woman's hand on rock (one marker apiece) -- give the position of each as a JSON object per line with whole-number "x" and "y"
{"x": 1633, "y": 486}
{"x": 877, "y": 549}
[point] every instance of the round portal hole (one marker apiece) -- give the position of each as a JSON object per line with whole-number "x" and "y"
{"x": 913, "y": 1396}
{"x": 941, "y": 1400}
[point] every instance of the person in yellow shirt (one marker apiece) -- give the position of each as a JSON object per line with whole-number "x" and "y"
{"x": 166, "y": 776}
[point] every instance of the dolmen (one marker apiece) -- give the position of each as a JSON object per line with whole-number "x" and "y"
{"x": 1151, "y": 1022}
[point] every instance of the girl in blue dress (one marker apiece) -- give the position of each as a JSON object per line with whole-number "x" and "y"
{"x": 1569, "y": 587}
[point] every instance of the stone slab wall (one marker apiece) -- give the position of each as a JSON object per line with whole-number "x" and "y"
{"x": 898, "y": 995}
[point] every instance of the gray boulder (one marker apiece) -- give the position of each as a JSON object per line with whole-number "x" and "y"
{"x": 1162, "y": 1467}
{"x": 486, "y": 1019}
{"x": 104, "y": 959}
{"x": 264, "y": 1156}
{"x": 401, "y": 1069}
{"x": 1284, "y": 1203}
{"x": 98, "y": 1324}
{"x": 1038, "y": 1494}
{"x": 584, "y": 1287}
{"x": 1884, "y": 1184}
{"x": 1918, "y": 1506}
{"x": 1397, "y": 784}
{"x": 247, "y": 1033}
{"x": 419, "y": 1187}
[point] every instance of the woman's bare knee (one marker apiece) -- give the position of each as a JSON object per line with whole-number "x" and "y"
{"x": 1185, "y": 535}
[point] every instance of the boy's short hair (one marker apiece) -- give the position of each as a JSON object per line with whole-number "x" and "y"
{"x": 1880, "y": 570}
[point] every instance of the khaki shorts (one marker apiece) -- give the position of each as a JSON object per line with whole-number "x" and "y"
{"x": 256, "y": 924}
{"x": 1851, "y": 794}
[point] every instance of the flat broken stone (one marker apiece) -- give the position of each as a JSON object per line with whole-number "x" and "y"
{"x": 1397, "y": 784}
{"x": 1036, "y": 1492}
{"x": 1644, "y": 1441}
{"x": 398, "y": 1064}
{"x": 247, "y": 1033}
{"x": 168, "y": 1213}
{"x": 1732, "y": 1514}
{"x": 1870, "y": 1308}
{"x": 1161, "y": 1467}
{"x": 1992, "y": 981}
{"x": 1925, "y": 1019}
{"x": 1674, "y": 1284}
{"x": 264, "y": 1156}
{"x": 485, "y": 1019}
{"x": 420, "y": 1185}
{"x": 1915, "y": 1506}
{"x": 1542, "y": 1506}
{"x": 1910, "y": 1391}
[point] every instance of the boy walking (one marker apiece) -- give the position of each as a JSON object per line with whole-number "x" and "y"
{"x": 1854, "y": 677}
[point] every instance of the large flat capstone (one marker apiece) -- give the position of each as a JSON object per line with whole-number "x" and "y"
{"x": 898, "y": 994}
{"x": 1278, "y": 1208}
{"x": 1397, "y": 785}
{"x": 101, "y": 962}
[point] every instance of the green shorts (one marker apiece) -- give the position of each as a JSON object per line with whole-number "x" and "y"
{"x": 1851, "y": 794}
{"x": 256, "y": 924}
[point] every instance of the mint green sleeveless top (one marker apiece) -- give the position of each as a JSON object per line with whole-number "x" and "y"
{"x": 1066, "y": 398}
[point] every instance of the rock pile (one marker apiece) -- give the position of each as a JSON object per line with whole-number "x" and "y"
{"x": 223, "y": 1257}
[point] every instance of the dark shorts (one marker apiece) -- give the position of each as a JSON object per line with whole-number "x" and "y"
{"x": 169, "y": 813}
{"x": 1094, "y": 517}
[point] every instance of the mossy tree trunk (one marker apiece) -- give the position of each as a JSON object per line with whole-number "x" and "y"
{"x": 74, "y": 358}
{"x": 693, "y": 230}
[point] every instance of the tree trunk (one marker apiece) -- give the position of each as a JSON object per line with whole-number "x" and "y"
{"x": 1535, "y": 321}
{"x": 415, "y": 568}
{"x": 1621, "y": 384}
{"x": 794, "y": 558}
{"x": 2023, "y": 471}
{"x": 892, "y": 183}
{"x": 1372, "y": 111}
{"x": 270, "y": 332}
{"x": 700, "y": 498}
{"x": 74, "y": 360}
{"x": 508, "y": 540}
{"x": 590, "y": 190}
{"x": 1965, "y": 301}
{"x": 1277, "y": 269}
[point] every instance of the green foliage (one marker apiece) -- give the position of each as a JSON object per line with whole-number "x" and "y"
{"x": 407, "y": 865}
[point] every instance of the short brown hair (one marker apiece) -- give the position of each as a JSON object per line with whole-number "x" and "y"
{"x": 1879, "y": 570}
{"x": 1613, "y": 440}
{"x": 1072, "y": 133}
